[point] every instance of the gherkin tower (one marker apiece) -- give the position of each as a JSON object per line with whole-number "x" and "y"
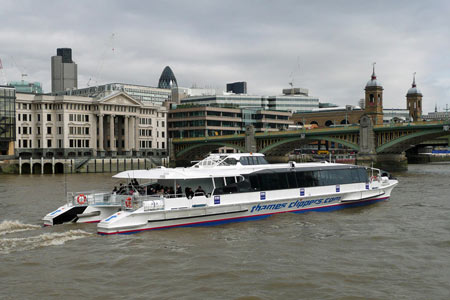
{"x": 167, "y": 79}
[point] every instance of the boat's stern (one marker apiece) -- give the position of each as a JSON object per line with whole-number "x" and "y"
{"x": 64, "y": 214}
{"x": 86, "y": 207}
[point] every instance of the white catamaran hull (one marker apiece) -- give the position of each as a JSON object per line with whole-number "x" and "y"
{"x": 79, "y": 214}
{"x": 126, "y": 222}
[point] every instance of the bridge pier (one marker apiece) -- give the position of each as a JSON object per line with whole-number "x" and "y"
{"x": 394, "y": 162}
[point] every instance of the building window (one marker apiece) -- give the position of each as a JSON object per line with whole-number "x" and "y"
{"x": 39, "y": 117}
{"x": 25, "y": 143}
{"x": 49, "y": 130}
{"x": 59, "y": 117}
{"x": 87, "y": 130}
{"x": 86, "y": 143}
{"x": 24, "y": 117}
{"x": 49, "y": 143}
{"x": 71, "y": 143}
{"x": 39, "y": 143}
{"x": 59, "y": 130}
{"x": 49, "y": 117}
{"x": 59, "y": 143}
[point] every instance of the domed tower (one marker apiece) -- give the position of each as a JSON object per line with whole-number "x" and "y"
{"x": 167, "y": 79}
{"x": 374, "y": 99}
{"x": 414, "y": 102}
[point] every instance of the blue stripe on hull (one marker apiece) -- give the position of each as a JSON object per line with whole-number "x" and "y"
{"x": 257, "y": 217}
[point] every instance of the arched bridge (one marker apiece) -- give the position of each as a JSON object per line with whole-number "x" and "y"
{"x": 388, "y": 139}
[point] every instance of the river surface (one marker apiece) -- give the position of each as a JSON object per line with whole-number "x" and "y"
{"x": 396, "y": 249}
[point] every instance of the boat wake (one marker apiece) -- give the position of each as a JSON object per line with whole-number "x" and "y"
{"x": 7, "y": 227}
{"x": 8, "y": 245}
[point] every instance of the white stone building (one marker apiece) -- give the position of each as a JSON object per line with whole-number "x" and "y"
{"x": 110, "y": 125}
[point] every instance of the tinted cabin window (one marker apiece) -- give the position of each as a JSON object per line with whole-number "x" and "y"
{"x": 261, "y": 160}
{"x": 254, "y": 182}
{"x": 230, "y": 161}
{"x": 363, "y": 175}
{"x": 307, "y": 178}
{"x": 292, "y": 180}
{"x": 218, "y": 182}
{"x": 229, "y": 180}
{"x": 244, "y": 161}
{"x": 282, "y": 181}
{"x": 268, "y": 181}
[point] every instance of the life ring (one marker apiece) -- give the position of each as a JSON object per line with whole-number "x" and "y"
{"x": 128, "y": 202}
{"x": 373, "y": 178}
{"x": 81, "y": 199}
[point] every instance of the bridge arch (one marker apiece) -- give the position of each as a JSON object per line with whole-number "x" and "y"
{"x": 405, "y": 142}
{"x": 297, "y": 141}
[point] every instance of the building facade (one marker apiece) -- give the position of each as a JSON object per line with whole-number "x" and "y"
{"x": 64, "y": 71}
{"x": 201, "y": 121}
{"x": 72, "y": 126}
{"x": 145, "y": 94}
{"x": 7, "y": 120}
{"x": 294, "y": 100}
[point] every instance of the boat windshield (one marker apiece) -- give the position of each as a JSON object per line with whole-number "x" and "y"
{"x": 253, "y": 160}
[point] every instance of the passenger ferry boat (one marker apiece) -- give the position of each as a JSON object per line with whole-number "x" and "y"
{"x": 237, "y": 187}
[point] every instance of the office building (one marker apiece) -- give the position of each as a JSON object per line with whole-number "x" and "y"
{"x": 64, "y": 71}
{"x": 167, "y": 79}
{"x": 110, "y": 125}
{"x": 201, "y": 121}
{"x": 237, "y": 87}
{"x": 7, "y": 120}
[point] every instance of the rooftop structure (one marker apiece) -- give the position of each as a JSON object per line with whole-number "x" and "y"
{"x": 26, "y": 87}
{"x": 146, "y": 94}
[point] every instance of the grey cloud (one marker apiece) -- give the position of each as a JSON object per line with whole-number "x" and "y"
{"x": 209, "y": 43}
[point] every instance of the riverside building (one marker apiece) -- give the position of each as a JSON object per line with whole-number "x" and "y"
{"x": 108, "y": 125}
{"x": 200, "y": 120}
{"x": 7, "y": 120}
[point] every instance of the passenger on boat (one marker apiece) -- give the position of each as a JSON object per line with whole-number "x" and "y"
{"x": 179, "y": 190}
{"x": 114, "y": 190}
{"x": 189, "y": 193}
{"x": 199, "y": 191}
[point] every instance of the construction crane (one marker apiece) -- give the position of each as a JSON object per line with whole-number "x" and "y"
{"x": 292, "y": 75}
{"x": 109, "y": 45}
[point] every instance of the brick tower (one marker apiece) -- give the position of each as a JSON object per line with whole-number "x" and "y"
{"x": 414, "y": 102}
{"x": 374, "y": 99}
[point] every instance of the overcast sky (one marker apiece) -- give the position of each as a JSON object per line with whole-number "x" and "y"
{"x": 325, "y": 46}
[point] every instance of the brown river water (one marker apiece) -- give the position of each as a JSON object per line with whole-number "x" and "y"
{"x": 396, "y": 249}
